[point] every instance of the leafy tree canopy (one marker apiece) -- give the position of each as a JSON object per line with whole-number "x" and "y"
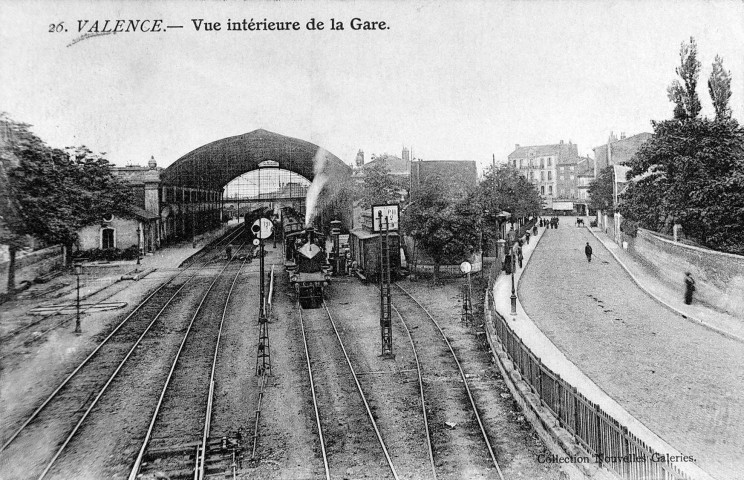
{"x": 692, "y": 173}
{"x": 505, "y": 189}
{"x": 447, "y": 231}
{"x": 379, "y": 186}
{"x": 719, "y": 87}
{"x": 52, "y": 193}
{"x": 602, "y": 191}
{"x": 684, "y": 95}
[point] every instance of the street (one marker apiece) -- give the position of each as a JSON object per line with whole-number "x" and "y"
{"x": 678, "y": 378}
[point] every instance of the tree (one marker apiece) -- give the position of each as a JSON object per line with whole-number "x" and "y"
{"x": 379, "y": 186}
{"x": 505, "y": 189}
{"x": 719, "y": 86}
{"x": 691, "y": 173}
{"x": 602, "y": 191}
{"x": 445, "y": 229}
{"x": 51, "y": 193}
{"x": 684, "y": 95}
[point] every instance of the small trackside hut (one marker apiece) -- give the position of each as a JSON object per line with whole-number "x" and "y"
{"x": 364, "y": 250}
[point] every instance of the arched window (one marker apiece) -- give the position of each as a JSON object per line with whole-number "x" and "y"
{"x": 108, "y": 238}
{"x": 550, "y": 161}
{"x": 542, "y": 163}
{"x": 550, "y": 190}
{"x": 542, "y": 190}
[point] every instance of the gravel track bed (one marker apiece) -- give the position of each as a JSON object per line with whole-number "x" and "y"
{"x": 236, "y": 385}
{"x": 35, "y": 327}
{"x": 181, "y": 417}
{"x": 37, "y": 443}
{"x": 515, "y": 443}
{"x": 351, "y": 444}
{"x": 288, "y": 445}
{"x": 107, "y": 443}
{"x": 459, "y": 452}
{"x": 391, "y": 386}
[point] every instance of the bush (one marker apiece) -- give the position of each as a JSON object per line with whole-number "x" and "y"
{"x": 629, "y": 227}
{"x": 593, "y": 223}
{"x": 108, "y": 254}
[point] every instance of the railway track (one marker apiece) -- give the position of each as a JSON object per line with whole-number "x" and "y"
{"x": 108, "y": 292}
{"x": 81, "y": 390}
{"x": 344, "y": 442}
{"x": 176, "y": 441}
{"x": 409, "y": 306}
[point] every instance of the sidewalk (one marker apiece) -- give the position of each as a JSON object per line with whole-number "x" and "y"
{"x": 721, "y": 322}
{"x": 554, "y": 359}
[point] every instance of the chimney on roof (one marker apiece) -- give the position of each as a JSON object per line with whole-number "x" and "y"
{"x": 561, "y": 142}
{"x": 516, "y": 146}
{"x": 622, "y": 135}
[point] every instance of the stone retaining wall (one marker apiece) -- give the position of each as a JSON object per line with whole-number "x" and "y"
{"x": 31, "y": 265}
{"x": 719, "y": 277}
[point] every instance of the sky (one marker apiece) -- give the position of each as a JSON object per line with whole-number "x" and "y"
{"x": 449, "y": 80}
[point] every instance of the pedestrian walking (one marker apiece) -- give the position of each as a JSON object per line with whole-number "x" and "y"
{"x": 228, "y": 252}
{"x": 519, "y": 254}
{"x": 588, "y": 252}
{"x": 507, "y": 264}
{"x": 534, "y": 231}
{"x": 689, "y": 287}
{"x": 527, "y": 237}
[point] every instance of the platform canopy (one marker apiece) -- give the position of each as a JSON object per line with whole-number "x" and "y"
{"x": 213, "y": 165}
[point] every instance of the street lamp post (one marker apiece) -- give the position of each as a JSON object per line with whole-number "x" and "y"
{"x": 139, "y": 243}
{"x": 513, "y": 292}
{"x": 78, "y": 271}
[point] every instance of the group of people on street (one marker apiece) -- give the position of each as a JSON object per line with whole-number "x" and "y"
{"x": 552, "y": 223}
{"x": 513, "y": 257}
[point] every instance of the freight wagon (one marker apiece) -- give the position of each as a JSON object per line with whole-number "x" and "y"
{"x": 364, "y": 250}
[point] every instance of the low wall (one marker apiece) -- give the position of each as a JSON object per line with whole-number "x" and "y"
{"x": 719, "y": 277}
{"x": 31, "y": 265}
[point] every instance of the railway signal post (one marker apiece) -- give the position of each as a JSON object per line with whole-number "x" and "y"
{"x": 387, "y": 219}
{"x": 262, "y": 229}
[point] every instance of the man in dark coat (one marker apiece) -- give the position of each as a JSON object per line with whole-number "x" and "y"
{"x": 520, "y": 257}
{"x": 508, "y": 264}
{"x": 689, "y": 287}
{"x": 588, "y": 252}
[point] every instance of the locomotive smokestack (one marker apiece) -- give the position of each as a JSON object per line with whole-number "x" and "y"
{"x": 310, "y": 232}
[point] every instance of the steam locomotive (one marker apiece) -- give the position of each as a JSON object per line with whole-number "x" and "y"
{"x": 305, "y": 260}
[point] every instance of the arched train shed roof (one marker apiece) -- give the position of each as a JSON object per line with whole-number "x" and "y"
{"x": 213, "y": 165}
